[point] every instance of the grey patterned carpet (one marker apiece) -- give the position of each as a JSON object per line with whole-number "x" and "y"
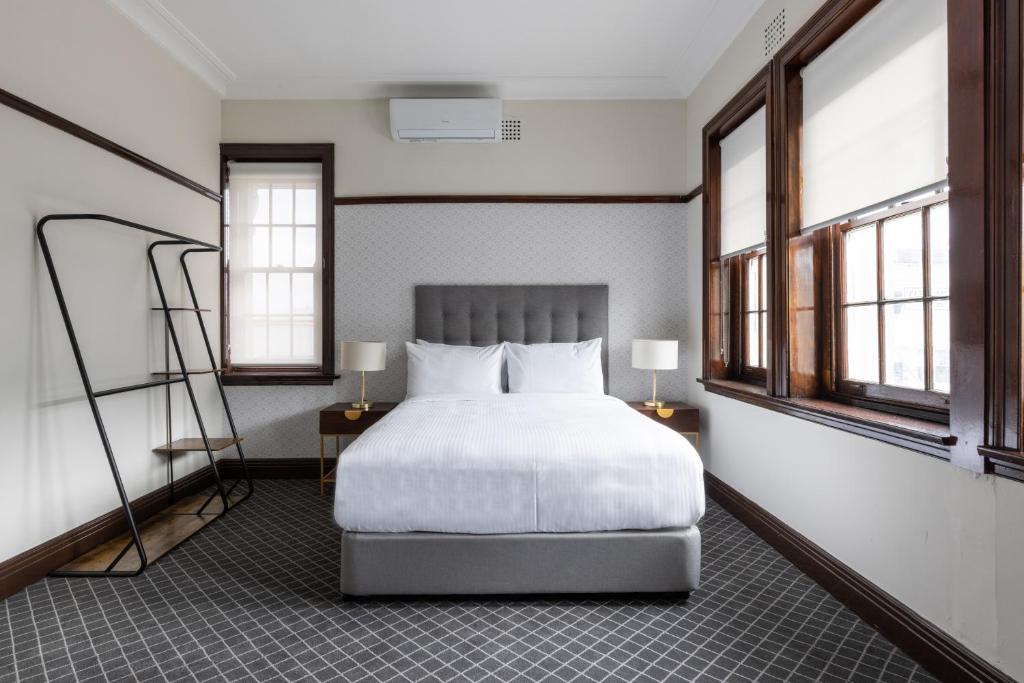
{"x": 255, "y": 596}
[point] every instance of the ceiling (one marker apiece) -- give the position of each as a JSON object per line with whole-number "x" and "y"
{"x": 514, "y": 49}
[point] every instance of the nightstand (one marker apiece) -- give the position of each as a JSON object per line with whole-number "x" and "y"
{"x": 341, "y": 419}
{"x": 681, "y": 417}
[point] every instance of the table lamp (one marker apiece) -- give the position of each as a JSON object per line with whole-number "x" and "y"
{"x": 364, "y": 357}
{"x": 654, "y": 355}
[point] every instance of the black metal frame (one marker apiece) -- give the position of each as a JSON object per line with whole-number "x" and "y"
{"x": 196, "y": 246}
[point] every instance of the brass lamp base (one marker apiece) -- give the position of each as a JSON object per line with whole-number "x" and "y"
{"x": 651, "y": 403}
{"x": 362, "y": 405}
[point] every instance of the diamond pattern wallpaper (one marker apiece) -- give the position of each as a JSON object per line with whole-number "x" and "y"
{"x": 383, "y": 250}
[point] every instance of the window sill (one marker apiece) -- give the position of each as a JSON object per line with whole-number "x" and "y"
{"x": 251, "y": 378}
{"x": 923, "y": 436}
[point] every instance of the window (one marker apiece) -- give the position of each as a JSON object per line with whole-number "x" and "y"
{"x": 892, "y": 326}
{"x": 755, "y": 314}
{"x": 276, "y": 231}
{"x": 279, "y": 241}
{"x": 736, "y": 220}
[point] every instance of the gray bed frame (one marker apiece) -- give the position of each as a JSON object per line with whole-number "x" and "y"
{"x": 628, "y": 561}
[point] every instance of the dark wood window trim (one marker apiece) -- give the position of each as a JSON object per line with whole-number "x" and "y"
{"x": 923, "y": 436}
{"x": 800, "y": 376}
{"x": 323, "y": 374}
{"x": 985, "y": 150}
{"x": 723, "y": 314}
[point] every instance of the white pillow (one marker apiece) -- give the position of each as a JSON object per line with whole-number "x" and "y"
{"x": 443, "y": 369}
{"x": 555, "y": 368}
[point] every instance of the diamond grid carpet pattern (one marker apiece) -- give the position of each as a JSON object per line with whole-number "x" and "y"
{"x": 255, "y": 596}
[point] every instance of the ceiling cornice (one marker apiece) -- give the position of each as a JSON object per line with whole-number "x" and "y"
{"x": 164, "y": 28}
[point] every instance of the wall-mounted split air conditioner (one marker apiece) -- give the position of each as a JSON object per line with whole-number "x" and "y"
{"x": 446, "y": 120}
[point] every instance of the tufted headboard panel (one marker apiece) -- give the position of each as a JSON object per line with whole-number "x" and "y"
{"x": 479, "y": 315}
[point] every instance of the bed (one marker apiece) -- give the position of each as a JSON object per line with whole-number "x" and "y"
{"x": 517, "y": 493}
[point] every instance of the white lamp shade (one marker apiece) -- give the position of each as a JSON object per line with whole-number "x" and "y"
{"x": 655, "y": 354}
{"x": 361, "y": 355}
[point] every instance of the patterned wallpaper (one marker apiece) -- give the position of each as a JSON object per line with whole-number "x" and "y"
{"x": 383, "y": 250}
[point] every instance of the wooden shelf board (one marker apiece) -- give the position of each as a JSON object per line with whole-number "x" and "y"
{"x": 217, "y": 443}
{"x": 161, "y": 533}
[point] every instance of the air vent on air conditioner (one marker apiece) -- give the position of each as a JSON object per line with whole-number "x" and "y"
{"x": 775, "y": 33}
{"x": 511, "y": 130}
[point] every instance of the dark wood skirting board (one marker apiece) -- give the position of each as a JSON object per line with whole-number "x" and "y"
{"x": 515, "y": 199}
{"x": 35, "y": 563}
{"x": 933, "y": 648}
{"x": 277, "y": 468}
{"x": 72, "y": 128}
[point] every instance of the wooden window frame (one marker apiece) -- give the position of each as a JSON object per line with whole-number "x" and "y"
{"x": 986, "y": 141}
{"x": 322, "y": 373}
{"x": 921, "y": 403}
{"x": 723, "y": 357}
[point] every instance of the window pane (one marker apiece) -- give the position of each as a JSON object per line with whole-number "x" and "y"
{"x": 280, "y": 293}
{"x": 764, "y": 339}
{"x": 302, "y": 338}
{"x": 861, "y": 265}
{"x": 861, "y": 343}
{"x": 753, "y": 286}
{"x": 282, "y": 205}
{"x": 902, "y": 258}
{"x": 302, "y": 293}
{"x": 260, "y": 242}
{"x": 305, "y": 247}
{"x": 305, "y": 206}
{"x": 261, "y": 216}
{"x": 764, "y": 284}
{"x": 282, "y": 248}
{"x": 940, "y": 346}
{"x": 256, "y": 339}
{"x": 258, "y": 293}
{"x": 753, "y": 336}
{"x": 938, "y": 237}
{"x": 904, "y": 345}
{"x": 280, "y": 339}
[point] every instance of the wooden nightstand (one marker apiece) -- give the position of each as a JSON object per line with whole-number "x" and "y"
{"x": 683, "y": 418}
{"x": 341, "y": 419}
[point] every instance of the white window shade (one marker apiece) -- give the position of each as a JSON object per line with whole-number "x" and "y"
{"x": 274, "y": 251}
{"x": 744, "y": 185}
{"x": 874, "y": 111}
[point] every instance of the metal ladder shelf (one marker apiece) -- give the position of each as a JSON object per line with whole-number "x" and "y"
{"x": 181, "y": 376}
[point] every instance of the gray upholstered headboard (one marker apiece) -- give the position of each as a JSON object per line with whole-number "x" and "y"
{"x": 479, "y": 315}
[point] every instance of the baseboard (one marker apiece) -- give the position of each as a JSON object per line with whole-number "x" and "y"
{"x": 35, "y": 563}
{"x": 276, "y": 468}
{"x": 933, "y": 648}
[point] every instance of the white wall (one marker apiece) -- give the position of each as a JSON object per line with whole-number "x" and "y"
{"x": 567, "y": 147}
{"x": 384, "y": 250}
{"x": 946, "y": 542}
{"x": 86, "y": 62}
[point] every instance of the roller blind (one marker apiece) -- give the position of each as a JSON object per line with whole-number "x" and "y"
{"x": 744, "y": 185}
{"x": 874, "y": 111}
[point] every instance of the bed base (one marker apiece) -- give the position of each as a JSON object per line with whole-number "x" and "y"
{"x": 395, "y": 564}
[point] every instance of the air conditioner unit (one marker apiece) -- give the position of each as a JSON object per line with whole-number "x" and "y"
{"x": 446, "y": 120}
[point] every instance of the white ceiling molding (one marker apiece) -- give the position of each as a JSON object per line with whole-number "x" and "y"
{"x": 447, "y": 85}
{"x": 350, "y": 49}
{"x": 164, "y": 28}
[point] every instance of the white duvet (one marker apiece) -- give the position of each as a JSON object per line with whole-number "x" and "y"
{"x": 518, "y": 463}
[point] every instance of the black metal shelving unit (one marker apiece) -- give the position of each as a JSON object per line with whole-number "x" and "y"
{"x": 166, "y": 378}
